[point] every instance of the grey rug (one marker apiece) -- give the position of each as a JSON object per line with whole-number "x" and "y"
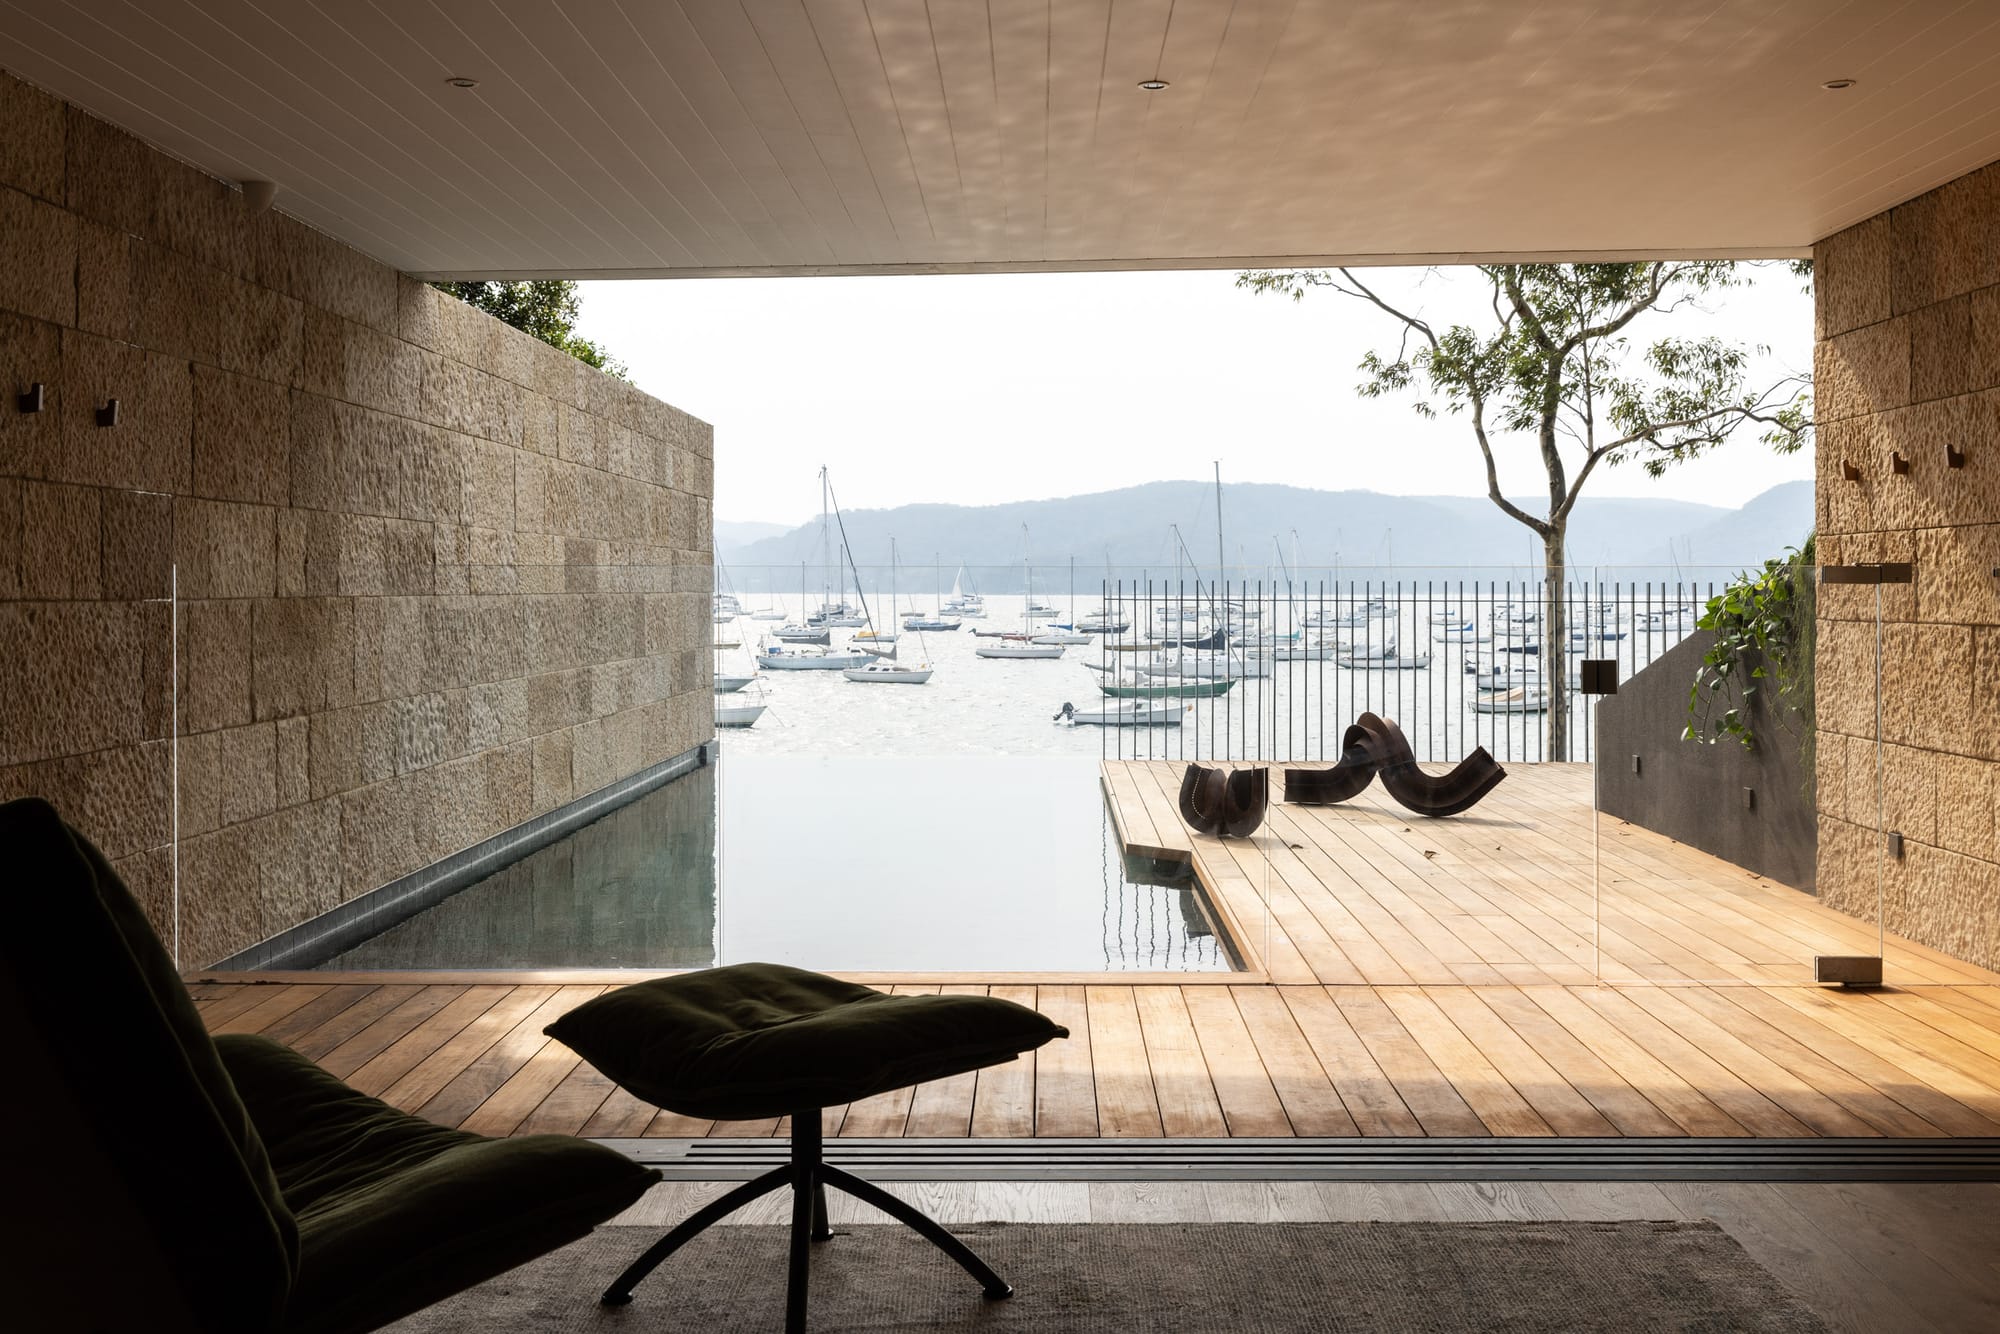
{"x": 1106, "y": 1278}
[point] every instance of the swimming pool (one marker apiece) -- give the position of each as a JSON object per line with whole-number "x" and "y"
{"x": 860, "y": 864}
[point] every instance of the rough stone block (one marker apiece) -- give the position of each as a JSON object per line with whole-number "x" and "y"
{"x": 1968, "y": 806}
{"x": 242, "y": 438}
{"x": 263, "y": 333}
{"x": 1865, "y": 370}
{"x": 302, "y": 652}
{"x": 1945, "y": 242}
{"x": 301, "y": 877}
{"x": 1958, "y": 574}
{"x": 121, "y": 798}
{"x": 1984, "y": 737}
{"x": 148, "y": 450}
{"x": 199, "y": 216}
{"x": 1927, "y": 686}
{"x": 104, "y": 280}
{"x": 293, "y": 759}
{"x": 378, "y": 839}
{"x": 33, "y": 149}
{"x": 175, "y": 304}
{"x": 221, "y": 911}
{"x": 39, "y": 277}
{"x": 551, "y": 771}
{"x": 1851, "y": 273}
{"x": 225, "y": 549}
{"x": 138, "y": 545}
{"x": 61, "y": 541}
{"x": 31, "y": 352}
{"x": 215, "y": 665}
{"x": 249, "y": 772}
{"x": 1943, "y": 359}
{"x": 73, "y": 678}
{"x": 351, "y": 748}
{"x": 292, "y": 258}
{"x": 489, "y": 490}
{"x": 109, "y": 176}
{"x": 418, "y": 317}
{"x": 10, "y": 538}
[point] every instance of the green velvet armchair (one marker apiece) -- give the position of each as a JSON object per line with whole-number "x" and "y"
{"x": 160, "y": 1180}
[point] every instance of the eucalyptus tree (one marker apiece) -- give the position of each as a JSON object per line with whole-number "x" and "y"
{"x": 1554, "y": 364}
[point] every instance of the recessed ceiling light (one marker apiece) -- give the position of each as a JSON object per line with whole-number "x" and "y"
{"x": 1835, "y": 85}
{"x": 462, "y": 82}
{"x": 1152, "y": 85}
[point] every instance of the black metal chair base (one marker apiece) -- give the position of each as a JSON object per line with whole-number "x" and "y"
{"x": 808, "y": 1174}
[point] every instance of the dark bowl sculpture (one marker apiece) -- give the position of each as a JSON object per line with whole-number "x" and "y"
{"x": 1228, "y": 803}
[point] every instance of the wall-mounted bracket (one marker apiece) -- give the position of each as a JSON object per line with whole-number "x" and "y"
{"x": 35, "y": 399}
{"x": 1898, "y": 464}
{"x": 1849, "y": 472}
{"x": 1954, "y": 458}
{"x": 108, "y": 414}
{"x": 1895, "y": 845}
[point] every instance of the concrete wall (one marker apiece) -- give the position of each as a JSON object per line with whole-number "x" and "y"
{"x": 1908, "y": 361}
{"x": 435, "y": 577}
{"x": 1696, "y": 793}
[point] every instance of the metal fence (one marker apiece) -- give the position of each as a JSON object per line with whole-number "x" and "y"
{"x": 1276, "y": 671}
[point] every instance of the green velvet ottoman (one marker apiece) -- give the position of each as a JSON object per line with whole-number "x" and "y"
{"x": 760, "y": 1040}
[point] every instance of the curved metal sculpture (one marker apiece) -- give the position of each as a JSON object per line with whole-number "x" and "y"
{"x": 1375, "y": 745}
{"x": 1224, "y": 802}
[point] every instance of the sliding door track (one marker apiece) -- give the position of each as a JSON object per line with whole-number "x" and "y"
{"x": 1343, "y": 1159}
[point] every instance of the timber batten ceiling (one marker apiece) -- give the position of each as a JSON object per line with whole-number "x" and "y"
{"x": 718, "y": 137}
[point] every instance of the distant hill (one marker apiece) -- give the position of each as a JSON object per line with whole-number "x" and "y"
{"x": 1359, "y": 533}
{"x": 730, "y": 535}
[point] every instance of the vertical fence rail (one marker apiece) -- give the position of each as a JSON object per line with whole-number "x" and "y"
{"x": 1458, "y": 662}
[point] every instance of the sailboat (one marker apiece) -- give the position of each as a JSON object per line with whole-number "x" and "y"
{"x": 1068, "y": 633}
{"x": 918, "y": 621}
{"x": 801, "y": 632}
{"x": 968, "y": 605}
{"x": 1021, "y": 645}
{"x": 883, "y": 671}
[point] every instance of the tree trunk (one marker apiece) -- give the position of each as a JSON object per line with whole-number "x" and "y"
{"x": 1555, "y": 640}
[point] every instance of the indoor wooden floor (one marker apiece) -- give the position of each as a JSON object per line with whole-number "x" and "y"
{"x": 1411, "y": 978}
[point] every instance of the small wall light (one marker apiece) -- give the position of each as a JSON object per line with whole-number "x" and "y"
{"x": 34, "y": 399}
{"x": 258, "y": 196}
{"x": 1954, "y": 458}
{"x": 108, "y": 414}
{"x": 1152, "y": 85}
{"x": 460, "y": 81}
{"x": 1838, "y": 85}
{"x": 1849, "y": 472}
{"x": 1899, "y": 465}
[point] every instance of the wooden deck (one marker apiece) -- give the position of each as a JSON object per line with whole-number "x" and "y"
{"x": 1413, "y": 977}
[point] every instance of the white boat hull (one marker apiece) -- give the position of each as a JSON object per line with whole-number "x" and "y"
{"x": 1061, "y": 638}
{"x": 1139, "y": 713}
{"x": 1025, "y": 651}
{"x": 729, "y": 685}
{"x": 830, "y": 662}
{"x": 738, "y": 715}
{"x": 894, "y": 676}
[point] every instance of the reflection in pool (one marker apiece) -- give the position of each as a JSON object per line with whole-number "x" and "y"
{"x": 971, "y": 864}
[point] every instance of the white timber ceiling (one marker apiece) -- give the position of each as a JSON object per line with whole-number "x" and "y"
{"x": 635, "y": 138}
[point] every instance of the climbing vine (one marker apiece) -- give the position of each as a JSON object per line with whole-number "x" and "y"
{"x": 1763, "y": 652}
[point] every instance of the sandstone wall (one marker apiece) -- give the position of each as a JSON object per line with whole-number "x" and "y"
{"x": 1908, "y": 362}
{"x": 435, "y": 577}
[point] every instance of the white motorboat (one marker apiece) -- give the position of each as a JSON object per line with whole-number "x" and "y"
{"x": 1040, "y": 611}
{"x": 738, "y": 715}
{"x": 808, "y": 659}
{"x": 1055, "y": 636}
{"x": 1103, "y": 623}
{"x": 768, "y": 614}
{"x": 1404, "y": 662}
{"x": 1528, "y": 698}
{"x": 1124, "y": 713}
{"x": 729, "y": 685}
{"x": 1014, "y": 648}
{"x": 886, "y": 673}
{"x": 920, "y": 623}
{"x": 792, "y": 632}
{"x": 726, "y": 643}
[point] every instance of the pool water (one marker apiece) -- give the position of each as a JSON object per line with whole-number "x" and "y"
{"x": 840, "y": 863}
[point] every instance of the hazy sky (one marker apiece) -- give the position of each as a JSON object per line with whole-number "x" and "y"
{"x": 980, "y": 389}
